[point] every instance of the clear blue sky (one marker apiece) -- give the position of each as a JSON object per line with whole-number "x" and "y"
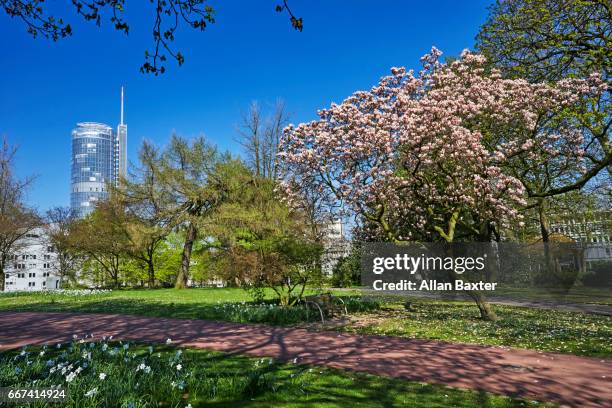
{"x": 251, "y": 53}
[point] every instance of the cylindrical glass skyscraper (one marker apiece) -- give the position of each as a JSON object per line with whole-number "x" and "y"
{"x": 93, "y": 160}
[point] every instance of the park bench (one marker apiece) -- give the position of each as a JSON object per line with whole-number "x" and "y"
{"x": 325, "y": 305}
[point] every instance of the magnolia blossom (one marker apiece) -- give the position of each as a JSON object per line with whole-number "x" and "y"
{"x": 422, "y": 149}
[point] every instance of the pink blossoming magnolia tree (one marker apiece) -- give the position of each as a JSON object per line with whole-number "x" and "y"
{"x": 429, "y": 156}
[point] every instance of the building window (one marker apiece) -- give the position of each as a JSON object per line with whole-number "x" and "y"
{"x": 31, "y": 284}
{"x": 31, "y": 275}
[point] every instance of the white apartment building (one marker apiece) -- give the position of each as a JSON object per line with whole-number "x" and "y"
{"x": 32, "y": 266}
{"x": 594, "y": 232}
{"x": 335, "y": 246}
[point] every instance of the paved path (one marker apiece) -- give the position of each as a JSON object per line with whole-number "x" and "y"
{"x": 575, "y": 381}
{"x": 590, "y": 308}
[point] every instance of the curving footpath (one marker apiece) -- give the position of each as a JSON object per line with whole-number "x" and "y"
{"x": 566, "y": 379}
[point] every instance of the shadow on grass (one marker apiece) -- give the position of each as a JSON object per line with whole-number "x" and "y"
{"x": 279, "y": 384}
{"x": 239, "y": 312}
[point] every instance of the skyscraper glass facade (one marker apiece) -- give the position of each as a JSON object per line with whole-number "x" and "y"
{"x": 99, "y": 160}
{"x": 93, "y": 165}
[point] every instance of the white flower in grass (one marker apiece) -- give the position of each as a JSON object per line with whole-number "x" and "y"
{"x": 168, "y": 341}
{"x": 42, "y": 353}
{"x": 102, "y": 376}
{"x": 147, "y": 369}
{"x": 150, "y": 349}
{"x": 91, "y": 392}
{"x": 70, "y": 377}
{"x": 104, "y": 347}
{"x": 188, "y": 406}
{"x": 74, "y": 336}
{"x": 179, "y": 367}
{"x": 58, "y": 346}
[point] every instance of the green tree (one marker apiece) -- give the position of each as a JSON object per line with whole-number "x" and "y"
{"x": 347, "y": 271}
{"x": 549, "y": 40}
{"x": 261, "y": 241}
{"x": 191, "y": 174}
{"x": 147, "y": 221}
{"x": 102, "y": 240}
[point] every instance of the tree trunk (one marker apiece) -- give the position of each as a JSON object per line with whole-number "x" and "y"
{"x": 151, "y": 273}
{"x": 115, "y": 266}
{"x": 183, "y": 275}
{"x": 2, "y": 274}
{"x": 544, "y": 223}
{"x": 545, "y": 232}
{"x": 486, "y": 313}
{"x": 151, "y": 265}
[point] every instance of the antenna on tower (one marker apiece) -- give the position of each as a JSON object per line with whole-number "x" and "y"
{"x": 122, "y": 105}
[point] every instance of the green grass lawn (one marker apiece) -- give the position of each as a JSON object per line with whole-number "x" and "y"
{"x": 521, "y": 327}
{"x": 111, "y": 374}
{"x": 228, "y": 304}
{"x": 546, "y": 330}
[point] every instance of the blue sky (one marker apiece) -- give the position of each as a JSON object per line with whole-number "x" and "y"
{"x": 251, "y": 53}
